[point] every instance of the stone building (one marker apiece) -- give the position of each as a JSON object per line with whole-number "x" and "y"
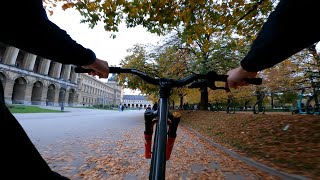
{"x": 92, "y": 91}
{"x": 32, "y": 80}
{"x": 136, "y": 101}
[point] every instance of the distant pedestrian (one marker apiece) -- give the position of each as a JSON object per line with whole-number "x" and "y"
{"x": 187, "y": 106}
{"x": 195, "y": 107}
{"x": 155, "y": 106}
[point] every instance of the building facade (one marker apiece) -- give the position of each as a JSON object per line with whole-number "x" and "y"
{"x": 92, "y": 91}
{"x": 32, "y": 80}
{"x": 136, "y": 101}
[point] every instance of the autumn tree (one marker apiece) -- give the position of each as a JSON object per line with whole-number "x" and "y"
{"x": 309, "y": 65}
{"x": 196, "y": 18}
{"x": 199, "y": 24}
{"x": 138, "y": 58}
{"x": 291, "y": 75}
{"x": 288, "y": 97}
{"x": 162, "y": 62}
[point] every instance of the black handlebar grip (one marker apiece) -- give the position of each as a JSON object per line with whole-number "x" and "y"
{"x": 116, "y": 70}
{"x": 82, "y": 70}
{"x": 255, "y": 81}
{"x": 79, "y": 69}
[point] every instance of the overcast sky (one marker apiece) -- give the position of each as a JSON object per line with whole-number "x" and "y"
{"x": 98, "y": 40}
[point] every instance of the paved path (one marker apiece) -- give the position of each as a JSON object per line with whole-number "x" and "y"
{"x": 97, "y": 144}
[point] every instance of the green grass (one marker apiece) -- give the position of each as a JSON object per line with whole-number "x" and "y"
{"x": 28, "y": 109}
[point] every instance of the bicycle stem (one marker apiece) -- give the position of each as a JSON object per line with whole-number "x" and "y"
{"x": 161, "y": 128}
{"x": 157, "y": 171}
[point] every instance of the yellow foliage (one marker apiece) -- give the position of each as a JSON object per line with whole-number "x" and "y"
{"x": 67, "y": 5}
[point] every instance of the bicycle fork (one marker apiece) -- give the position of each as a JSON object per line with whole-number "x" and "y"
{"x": 150, "y": 121}
{"x": 172, "y": 132}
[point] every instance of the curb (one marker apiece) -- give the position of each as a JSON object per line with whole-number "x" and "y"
{"x": 250, "y": 162}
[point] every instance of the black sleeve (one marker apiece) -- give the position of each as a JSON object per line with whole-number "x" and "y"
{"x": 36, "y": 34}
{"x": 290, "y": 28}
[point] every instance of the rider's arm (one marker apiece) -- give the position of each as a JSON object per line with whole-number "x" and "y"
{"x": 26, "y": 26}
{"x": 290, "y": 28}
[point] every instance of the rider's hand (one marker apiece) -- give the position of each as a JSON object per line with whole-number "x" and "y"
{"x": 236, "y": 77}
{"x": 100, "y": 68}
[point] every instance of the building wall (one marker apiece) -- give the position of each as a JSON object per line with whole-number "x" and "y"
{"x": 136, "y": 101}
{"x": 33, "y": 80}
{"x": 93, "y": 91}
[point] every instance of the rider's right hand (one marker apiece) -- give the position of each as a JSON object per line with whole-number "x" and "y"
{"x": 100, "y": 68}
{"x": 236, "y": 77}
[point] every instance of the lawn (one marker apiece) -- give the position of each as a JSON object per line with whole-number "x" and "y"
{"x": 286, "y": 142}
{"x": 28, "y": 109}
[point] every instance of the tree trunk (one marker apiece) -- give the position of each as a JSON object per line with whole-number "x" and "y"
{"x": 204, "y": 98}
{"x": 260, "y": 101}
{"x": 181, "y": 102}
{"x": 246, "y": 104}
{"x": 272, "y": 101}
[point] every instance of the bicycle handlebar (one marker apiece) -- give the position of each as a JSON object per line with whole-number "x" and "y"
{"x": 211, "y": 76}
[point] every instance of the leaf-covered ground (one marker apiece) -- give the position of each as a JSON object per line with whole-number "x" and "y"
{"x": 119, "y": 155}
{"x": 290, "y": 143}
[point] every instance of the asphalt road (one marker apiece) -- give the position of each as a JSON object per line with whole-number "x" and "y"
{"x": 48, "y": 128}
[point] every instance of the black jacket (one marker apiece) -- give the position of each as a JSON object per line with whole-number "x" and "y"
{"x": 293, "y": 26}
{"x": 25, "y": 25}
